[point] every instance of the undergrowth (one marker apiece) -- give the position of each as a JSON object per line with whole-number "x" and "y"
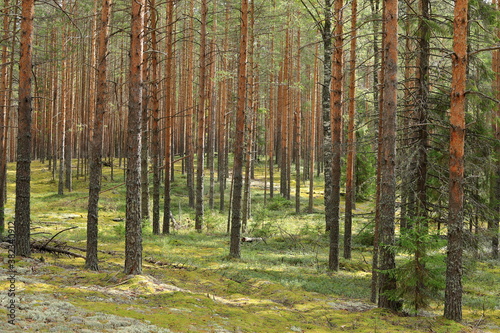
{"x": 281, "y": 283}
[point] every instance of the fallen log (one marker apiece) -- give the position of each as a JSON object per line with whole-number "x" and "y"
{"x": 51, "y": 249}
{"x": 252, "y": 239}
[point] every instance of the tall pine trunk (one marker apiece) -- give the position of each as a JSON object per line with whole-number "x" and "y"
{"x": 91, "y": 261}
{"x": 133, "y": 223}
{"x": 23, "y": 167}
{"x": 200, "y": 152}
{"x": 453, "y": 291}
{"x": 387, "y": 155}
{"x": 495, "y": 191}
{"x": 337, "y": 82}
{"x": 234, "y": 250}
{"x": 4, "y": 109}
{"x": 169, "y": 107}
{"x": 351, "y": 137}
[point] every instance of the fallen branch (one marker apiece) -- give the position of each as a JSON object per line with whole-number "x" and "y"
{"x": 163, "y": 263}
{"x": 85, "y": 250}
{"x": 252, "y": 239}
{"x": 52, "y": 249}
{"x": 47, "y": 243}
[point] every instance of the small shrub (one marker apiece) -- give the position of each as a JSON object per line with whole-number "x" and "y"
{"x": 264, "y": 229}
{"x": 366, "y": 236}
{"x": 279, "y": 203}
{"x": 119, "y": 230}
{"x": 420, "y": 278}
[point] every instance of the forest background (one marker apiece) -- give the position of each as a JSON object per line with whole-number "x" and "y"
{"x": 366, "y": 99}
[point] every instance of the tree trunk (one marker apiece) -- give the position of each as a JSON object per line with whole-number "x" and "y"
{"x": 91, "y": 261}
{"x": 376, "y": 106}
{"x": 421, "y": 109}
{"x": 145, "y": 123}
{"x": 23, "y": 167}
{"x": 4, "y": 109}
{"x": 200, "y": 160}
{"x": 337, "y": 82}
{"x": 325, "y": 102}
{"x": 223, "y": 91}
{"x": 314, "y": 121}
{"x": 155, "y": 114}
{"x": 351, "y": 137}
{"x": 169, "y": 107}
{"x": 387, "y": 199}
{"x": 298, "y": 130}
{"x": 453, "y": 291}
{"x": 190, "y": 108}
{"x": 234, "y": 250}
{"x": 133, "y": 223}
{"x": 493, "y": 225}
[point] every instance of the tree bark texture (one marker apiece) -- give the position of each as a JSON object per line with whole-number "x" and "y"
{"x": 95, "y": 175}
{"x": 234, "y": 250}
{"x": 387, "y": 199}
{"x": 350, "y": 196}
{"x": 336, "y": 100}
{"x": 133, "y": 223}
{"x": 326, "y": 36}
{"x": 495, "y": 192}
{"x": 4, "y": 110}
{"x": 24, "y": 138}
{"x": 169, "y": 107}
{"x": 453, "y": 291}
{"x": 200, "y": 148}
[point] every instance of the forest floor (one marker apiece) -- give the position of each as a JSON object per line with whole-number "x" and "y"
{"x": 188, "y": 283}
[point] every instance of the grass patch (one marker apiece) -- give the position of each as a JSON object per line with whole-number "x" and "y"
{"x": 188, "y": 284}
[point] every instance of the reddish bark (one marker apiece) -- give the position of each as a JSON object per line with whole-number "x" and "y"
{"x": 240, "y": 135}
{"x": 24, "y": 139}
{"x": 133, "y": 223}
{"x": 453, "y": 291}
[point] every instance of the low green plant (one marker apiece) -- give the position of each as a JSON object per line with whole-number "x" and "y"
{"x": 119, "y": 229}
{"x": 278, "y": 203}
{"x": 420, "y": 277}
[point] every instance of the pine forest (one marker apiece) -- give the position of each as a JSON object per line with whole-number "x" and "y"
{"x": 250, "y": 165}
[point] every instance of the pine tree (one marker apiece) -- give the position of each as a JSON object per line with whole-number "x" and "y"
{"x": 23, "y": 168}
{"x": 453, "y": 292}
{"x": 133, "y": 223}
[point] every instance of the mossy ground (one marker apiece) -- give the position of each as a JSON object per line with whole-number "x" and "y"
{"x": 189, "y": 284}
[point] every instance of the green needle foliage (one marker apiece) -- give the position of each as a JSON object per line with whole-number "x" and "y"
{"x": 420, "y": 275}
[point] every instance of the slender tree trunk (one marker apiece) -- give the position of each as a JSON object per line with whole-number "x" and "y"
{"x": 200, "y": 171}
{"x": 222, "y": 175}
{"x": 387, "y": 200}
{"x": 133, "y": 223}
{"x": 493, "y": 225}
{"x": 314, "y": 121}
{"x": 453, "y": 291}
{"x": 376, "y": 98}
{"x": 190, "y": 109}
{"x": 407, "y": 189}
{"x": 234, "y": 250}
{"x": 4, "y": 109}
{"x": 325, "y": 101}
{"x": 155, "y": 114}
{"x": 298, "y": 130}
{"x": 68, "y": 126}
{"x": 91, "y": 261}
{"x": 351, "y": 136}
{"x": 337, "y": 82}
{"x": 23, "y": 168}
{"x": 169, "y": 107}
{"x": 422, "y": 106}
{"x": 145, "y": 122}
{"x": 61, "y": 120}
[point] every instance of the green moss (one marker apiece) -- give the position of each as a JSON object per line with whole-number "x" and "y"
{"x": 278, "y": 285}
